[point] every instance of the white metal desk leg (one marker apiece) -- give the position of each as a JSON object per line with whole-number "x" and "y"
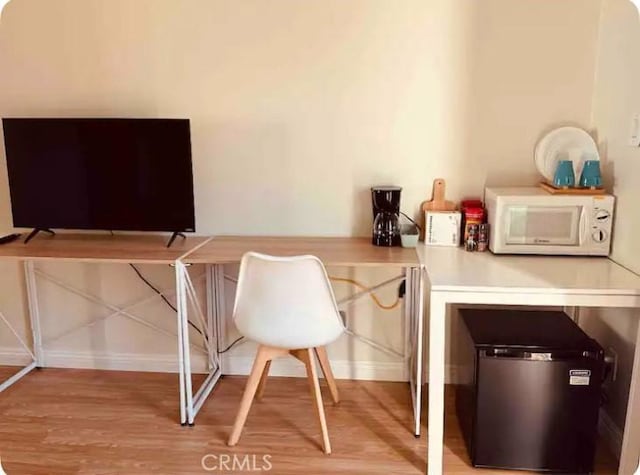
{"x": 184, "y": 322}
{"x": 179, "y": 289}
{"x": 406, "y": 329}
{"x": 412, "y": 330}
{"x": 220, "y": 311}
{"x": 419, "y": 309}
{"x": 630, "y": 456}
{"x": 34, "y": 313}
{"x": 437, "y": 344}
{"x": 211, "y": 319}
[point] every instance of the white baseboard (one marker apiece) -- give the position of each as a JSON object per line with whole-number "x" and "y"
{"x": 14, "y": 357}
{"x": 610, "y": 433}
{"x": 236, "y": 365}
{"x": 156, "y": 363}
{"x": 342, "y": 369}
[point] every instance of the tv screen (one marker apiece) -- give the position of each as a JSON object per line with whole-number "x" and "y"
{"x": 103, "y": 174}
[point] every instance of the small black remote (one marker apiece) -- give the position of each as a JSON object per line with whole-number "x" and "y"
{"x": 9, "y": 238}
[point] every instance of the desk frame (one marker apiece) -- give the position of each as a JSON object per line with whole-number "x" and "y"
{"x": 216, "y": 319}
{"x": 97, "y": 249}
{"x": 352, "y": 252}
{"x": 190, "y": 403}
{"x": 38, "y": 359}
{"x": 31, "y": 272}
{"x": 441, "y": 299}
{"x": 36, "y": 354}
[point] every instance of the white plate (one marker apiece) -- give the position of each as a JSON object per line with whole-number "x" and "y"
{"x": 565, "y": 143}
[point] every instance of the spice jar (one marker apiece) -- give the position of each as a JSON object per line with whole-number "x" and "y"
{"x": 472, "y": 216}
{"x": 471, "y": 242}
{"x": 483, "y": 237}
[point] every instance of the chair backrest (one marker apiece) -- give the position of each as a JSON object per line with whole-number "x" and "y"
{"x": 286, "y": 302}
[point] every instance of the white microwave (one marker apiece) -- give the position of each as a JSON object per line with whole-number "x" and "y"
{"x": 533, "y": 221}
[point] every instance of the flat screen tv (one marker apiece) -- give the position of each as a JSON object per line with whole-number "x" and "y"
{"x": 100, "y": 174}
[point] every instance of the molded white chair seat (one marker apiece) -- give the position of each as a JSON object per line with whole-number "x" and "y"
{"x": 286, "y": 304}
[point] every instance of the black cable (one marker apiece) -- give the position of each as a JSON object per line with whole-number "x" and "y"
{"x": 414, "y": 223}
{"x": 231, "y": 345}
{"x": 157, "y": 291}
{"x": 154, "y": 288}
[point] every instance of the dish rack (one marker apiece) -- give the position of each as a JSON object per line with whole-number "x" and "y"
{"x": 554, "y": 190}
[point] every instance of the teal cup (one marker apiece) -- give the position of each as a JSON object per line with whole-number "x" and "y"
{"x": 564, "y": 176}
{"x": 591, "y": 176}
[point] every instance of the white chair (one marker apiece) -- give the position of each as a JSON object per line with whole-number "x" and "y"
{"x": 287, "y": 306}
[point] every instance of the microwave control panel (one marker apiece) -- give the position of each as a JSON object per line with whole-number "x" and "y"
{"x": 601, "y": 220}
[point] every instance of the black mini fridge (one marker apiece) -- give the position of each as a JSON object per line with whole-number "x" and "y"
{"x": 529, "y": 390}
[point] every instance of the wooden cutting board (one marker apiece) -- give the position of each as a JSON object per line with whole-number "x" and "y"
{"x": 438, "y": 201}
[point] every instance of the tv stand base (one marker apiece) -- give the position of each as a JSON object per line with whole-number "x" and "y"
{"x": 174, "y": 236}
{"x": 33, "y": 233}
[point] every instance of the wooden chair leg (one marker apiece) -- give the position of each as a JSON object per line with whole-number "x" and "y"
{"x": 312, "y": 376}
{"x": 321, "y": 353}
{"x": 263, "y": 380}
{"x": 264, "y": 355}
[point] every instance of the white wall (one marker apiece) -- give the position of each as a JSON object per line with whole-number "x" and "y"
{"x": 616, "y": 98}
{"x": 297, "y": 108}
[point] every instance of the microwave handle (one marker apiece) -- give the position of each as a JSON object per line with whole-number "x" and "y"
{"x": 583, "y": 225}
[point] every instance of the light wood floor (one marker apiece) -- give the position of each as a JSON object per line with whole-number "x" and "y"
{"x": 59, "y": 422}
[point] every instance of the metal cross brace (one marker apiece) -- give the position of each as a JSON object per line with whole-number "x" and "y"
{"x": 124, "y": 311}
{"x": 24, "y": 370}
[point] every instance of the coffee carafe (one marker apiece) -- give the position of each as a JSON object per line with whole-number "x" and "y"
{"x": 385, "y": 201}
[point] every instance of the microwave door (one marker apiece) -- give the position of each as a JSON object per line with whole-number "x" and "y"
{"x": 543, "y": 225}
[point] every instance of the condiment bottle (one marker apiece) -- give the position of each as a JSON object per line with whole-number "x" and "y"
{"x": 471, "y": 242}
{"x": 472, "y": 216}
{"x": 483, "y": 237}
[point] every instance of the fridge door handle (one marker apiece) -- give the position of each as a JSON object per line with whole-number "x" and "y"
{"x": 523, "y": 354}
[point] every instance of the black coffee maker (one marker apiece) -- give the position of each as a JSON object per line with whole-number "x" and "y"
{"x": 386, "y": 215}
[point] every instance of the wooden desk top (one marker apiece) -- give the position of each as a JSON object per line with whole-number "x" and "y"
{"x": 332, "y": 251}
{"x": 120, "y": 248}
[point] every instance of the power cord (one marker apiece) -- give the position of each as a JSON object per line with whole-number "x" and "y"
{"x": 238, "y": 340}
{"x": 231, "y": 345}
{"x": 166, "y": 300}
{"x": 337, "y": 279}
{"x": 364, "y": 287}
